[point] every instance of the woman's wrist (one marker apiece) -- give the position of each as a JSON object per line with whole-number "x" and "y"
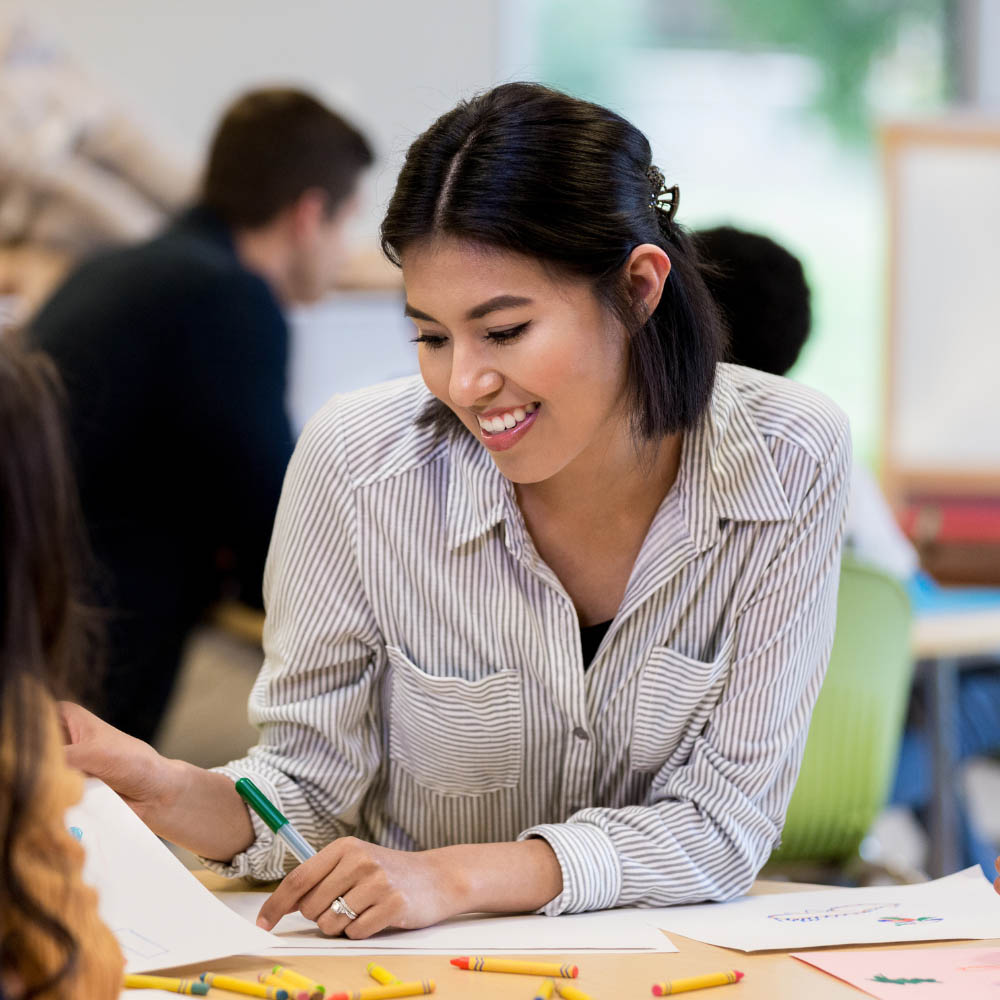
{"x": 514, "y": 877}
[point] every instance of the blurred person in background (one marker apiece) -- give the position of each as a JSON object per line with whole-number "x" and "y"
{"x": 174, "y": 355}
{"x": 52, "y": 942}
{"x": 763, "y": 294}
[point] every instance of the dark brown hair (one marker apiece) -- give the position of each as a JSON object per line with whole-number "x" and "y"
{"x": 529, "y": 170}
{"x": 274, "y": 145}
{"x": 46, "y": 635}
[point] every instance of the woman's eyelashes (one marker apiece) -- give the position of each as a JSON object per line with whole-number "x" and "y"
{"x": 507, "y": 336}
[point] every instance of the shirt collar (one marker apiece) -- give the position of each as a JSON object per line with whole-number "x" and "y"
{"x": 727, "y": 473}
{"x": 727, "y": 466}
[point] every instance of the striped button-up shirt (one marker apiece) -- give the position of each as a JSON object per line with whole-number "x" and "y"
{"x": 423, "y": 682}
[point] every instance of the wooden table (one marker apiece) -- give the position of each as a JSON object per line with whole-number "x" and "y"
{"x": 945, "y": 644}
{"x": 769, "y": 975}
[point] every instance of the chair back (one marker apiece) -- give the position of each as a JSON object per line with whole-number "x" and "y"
{"x": 857, "y": 724}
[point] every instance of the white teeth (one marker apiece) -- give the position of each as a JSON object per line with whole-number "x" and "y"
{"x": 505, "y": 421}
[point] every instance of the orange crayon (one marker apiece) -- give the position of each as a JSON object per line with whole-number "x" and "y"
{"x": 696, "y": 983}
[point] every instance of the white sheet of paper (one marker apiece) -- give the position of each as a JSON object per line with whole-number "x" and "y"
{"x": 963, "y": 906}
{"x": 160, "y": 913}
{"x": 606, "y": 930}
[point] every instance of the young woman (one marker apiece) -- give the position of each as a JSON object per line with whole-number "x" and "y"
{"x": 52, "y": 942}
{"x": 545, "y": 627}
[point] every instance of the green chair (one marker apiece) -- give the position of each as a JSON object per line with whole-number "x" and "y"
{"x": 857, "y": 725}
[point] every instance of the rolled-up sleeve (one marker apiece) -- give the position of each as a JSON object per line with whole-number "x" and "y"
{"x": 315, "y": 700}
{"x": 709, "y": 825}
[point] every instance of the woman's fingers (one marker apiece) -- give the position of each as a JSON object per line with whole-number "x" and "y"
{"x": 297, "y": 883}
{"x": 360, "y": 899}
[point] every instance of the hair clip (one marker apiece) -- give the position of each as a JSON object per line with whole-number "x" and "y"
{"x": 662, "y": 198}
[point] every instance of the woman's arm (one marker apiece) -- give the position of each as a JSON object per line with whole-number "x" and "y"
{"x": 173, "y": 798}
{"x": 409, "y": 889}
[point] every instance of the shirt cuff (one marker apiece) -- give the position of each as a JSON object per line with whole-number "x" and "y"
{"x": 591, "y": 870}
{"x": 263, "y": 860}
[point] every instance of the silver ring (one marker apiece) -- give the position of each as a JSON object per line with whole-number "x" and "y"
{"x": 339, "y": 905}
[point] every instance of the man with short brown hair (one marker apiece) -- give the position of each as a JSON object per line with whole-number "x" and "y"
{"x": 174, "y": 354}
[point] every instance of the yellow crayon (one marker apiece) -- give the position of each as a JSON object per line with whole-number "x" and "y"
{"x": 294, "y": 992}
{"x": 243, "y": 986}
{"x": 479, "y": 963}
{"x": 380, "y": 975}
{"x": 297, "y": 979}
{"x": 544, "y": 991}
{"x": 696, "y": 983}
{"x": 571, "y": 992}
{"x": 388, "y": 992}
{"x": 192, "y": 987}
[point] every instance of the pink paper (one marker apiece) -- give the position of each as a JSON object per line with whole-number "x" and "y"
{"x": 917, "y": 974}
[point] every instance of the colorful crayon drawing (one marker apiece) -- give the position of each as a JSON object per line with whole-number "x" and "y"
{"x": 903, "y": 921}
{"x": 830, "y": 913}
{"x": 901, "y": 982}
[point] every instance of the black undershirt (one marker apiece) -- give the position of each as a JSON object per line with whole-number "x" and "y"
{"x": 590, "y": 639}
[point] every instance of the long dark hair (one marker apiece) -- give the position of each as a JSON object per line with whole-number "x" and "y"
{"x": 530, "y": 170}
{"x": 46, "y": 634}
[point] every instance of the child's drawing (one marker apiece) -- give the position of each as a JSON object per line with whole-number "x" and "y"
{"x": 829, "y": 913}
{"x": 903, "y": 921}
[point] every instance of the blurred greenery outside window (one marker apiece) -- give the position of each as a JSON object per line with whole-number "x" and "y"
{"x": 765, "y": 113}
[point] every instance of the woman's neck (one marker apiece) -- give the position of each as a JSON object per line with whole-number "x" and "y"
{"x": 607, "y": 480}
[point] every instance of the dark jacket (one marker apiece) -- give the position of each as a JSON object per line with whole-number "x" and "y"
{"x": 174, "y": 357}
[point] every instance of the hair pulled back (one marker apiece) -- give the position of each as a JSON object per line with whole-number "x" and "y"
{"x": 529, "y": 170}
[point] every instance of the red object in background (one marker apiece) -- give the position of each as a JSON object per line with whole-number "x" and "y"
{"x": 958, "y": 538}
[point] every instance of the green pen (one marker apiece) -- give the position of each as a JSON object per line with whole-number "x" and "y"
{"x": 269, "y": 813}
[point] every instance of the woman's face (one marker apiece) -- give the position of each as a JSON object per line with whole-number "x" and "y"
{"x": 531, "y": 363}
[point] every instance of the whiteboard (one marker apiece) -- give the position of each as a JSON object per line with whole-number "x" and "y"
{"x": 944, "y": 358}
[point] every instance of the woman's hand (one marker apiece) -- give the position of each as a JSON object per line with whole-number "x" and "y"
{"x": 198, "y": 809}
{"x": 410, "y": 889}
{"x": 132, "y": 768}
{"x": 386, "y": 888}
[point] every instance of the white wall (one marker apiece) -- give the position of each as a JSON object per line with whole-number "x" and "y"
{"x": 390, "y": 65}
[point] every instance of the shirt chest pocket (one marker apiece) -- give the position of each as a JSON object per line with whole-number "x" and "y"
{"x": 675, "y": 697}
{"x": 452, "y": 735}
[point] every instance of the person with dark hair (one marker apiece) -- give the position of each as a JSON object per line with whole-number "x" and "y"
{"x": 52, "y": 942}
{"x": 174, "y": 353}
{"x": 762, "y": 292}
{"x": 545, "y": 625}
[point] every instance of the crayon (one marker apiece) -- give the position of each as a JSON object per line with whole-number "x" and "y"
{"x": 294, "y": 992}
{"x": 297, "y": 979}
{"x": 696, "y": 983}
{"x": 243, "y": 986}
{"x": 571, "y": 992}
{"x": 192, "y": 987}
{"x": 380, "y": 975}
{"x": 479, "y": 963}
{"x": 388, "y": 992}
{"x": 544, "y": 991}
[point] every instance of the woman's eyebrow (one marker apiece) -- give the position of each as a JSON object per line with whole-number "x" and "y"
{"x": 477, "y": 312}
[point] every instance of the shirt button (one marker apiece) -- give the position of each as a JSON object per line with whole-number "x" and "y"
{"x": 581, "y": 734}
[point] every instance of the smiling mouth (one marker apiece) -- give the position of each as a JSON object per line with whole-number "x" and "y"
{"x": 504, "y": 430}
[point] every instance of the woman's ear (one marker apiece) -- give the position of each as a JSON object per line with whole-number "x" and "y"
{"x": 646, "y": 269}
